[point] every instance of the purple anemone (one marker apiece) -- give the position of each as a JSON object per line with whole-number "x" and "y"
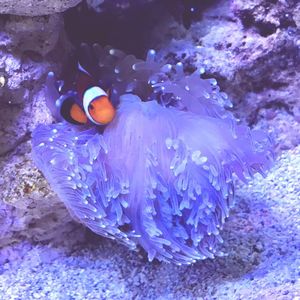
{"x": 161, "y": 174}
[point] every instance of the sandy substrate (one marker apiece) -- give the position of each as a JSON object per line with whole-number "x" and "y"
{"x": 261, "y": 256}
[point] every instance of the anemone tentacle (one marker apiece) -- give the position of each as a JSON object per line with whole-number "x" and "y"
{"x": 157, "y": 176}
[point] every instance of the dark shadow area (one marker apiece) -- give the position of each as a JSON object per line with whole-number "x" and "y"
{"x": 129, "y": 29}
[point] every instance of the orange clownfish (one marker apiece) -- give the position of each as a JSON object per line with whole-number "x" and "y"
{"x": 88, "y": 104}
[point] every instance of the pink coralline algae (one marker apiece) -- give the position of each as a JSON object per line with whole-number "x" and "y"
{"x": 161, "y": 173}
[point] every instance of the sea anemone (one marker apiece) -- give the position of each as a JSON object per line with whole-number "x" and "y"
{"x": 161, "y": 173}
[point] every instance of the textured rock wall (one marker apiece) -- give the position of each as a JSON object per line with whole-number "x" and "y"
{"x": 35, "y": 7}
{"x": 253, "y": 49}
{"x": 29, "y": 48}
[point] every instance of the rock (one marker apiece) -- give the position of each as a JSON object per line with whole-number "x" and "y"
{"x": 253, "y": 49}
{"x": 24, "y": 44}
{"x": 29, "y": 49}
{"x": 28, "y": 208}
{"x": 34, "y": 35}
{"x": 35, "y": 7}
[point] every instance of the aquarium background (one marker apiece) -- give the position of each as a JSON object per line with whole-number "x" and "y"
{"x": 252, "y": 48}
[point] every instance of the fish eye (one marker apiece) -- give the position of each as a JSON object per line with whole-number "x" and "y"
{"x": 91, "y": 106}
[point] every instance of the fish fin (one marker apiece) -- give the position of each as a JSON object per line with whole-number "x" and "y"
{"x": 88, "y": 60}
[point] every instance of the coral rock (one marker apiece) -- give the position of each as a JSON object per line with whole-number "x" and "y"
{"x": 35, "y": 7}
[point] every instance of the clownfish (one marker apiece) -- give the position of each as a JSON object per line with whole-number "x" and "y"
{"x": 89, "y": 103}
